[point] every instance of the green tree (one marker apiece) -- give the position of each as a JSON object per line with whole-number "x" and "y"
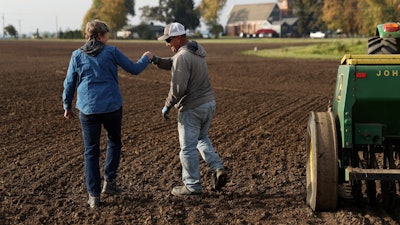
{"x": 70, "y": 34}
{"x": 130, "y": 6}
{"x": 215, "y": 29}
{"x": 210, "y": 11}
{"x": 309, "y": 13}
{"x": 144, "y": 31}
{"x": 168, "y": 11}
{"x": 10, "y": 30}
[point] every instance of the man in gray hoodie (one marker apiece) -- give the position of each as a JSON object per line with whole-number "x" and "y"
{"x": 191, "y": 93}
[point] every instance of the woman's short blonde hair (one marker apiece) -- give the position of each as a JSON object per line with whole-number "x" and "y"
{"x": 95, "y": 28}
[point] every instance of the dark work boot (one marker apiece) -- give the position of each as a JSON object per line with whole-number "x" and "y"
{"x": 220, "y": 179}
{"x": 110, "y": 188}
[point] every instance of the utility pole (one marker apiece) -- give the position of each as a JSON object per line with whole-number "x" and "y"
{"x": 56, "y": 26}
{"x": 4, "y": 31}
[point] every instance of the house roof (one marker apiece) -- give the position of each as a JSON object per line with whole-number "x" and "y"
{"x": 250, "y": 12}
{"x": 289, "y": 21}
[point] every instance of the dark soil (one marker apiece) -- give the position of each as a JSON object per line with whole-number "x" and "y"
{"x": 259, "y": 131}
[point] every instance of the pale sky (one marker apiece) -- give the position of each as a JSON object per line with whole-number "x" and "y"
{"x": 52, "y": 15}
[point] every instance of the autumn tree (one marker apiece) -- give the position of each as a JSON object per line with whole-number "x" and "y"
{"x": 350, "y": 17}
{"x": 370, "y": 13}
{"x": 92, "y": 13}
{"x": 330, "y": 15}
{"x": 359, "y": 16}
{"x": 113, "y": 12}
{"x": 210, "y": 12}
{"x": 341, "y": 14}
{"x": 168, "y": 11}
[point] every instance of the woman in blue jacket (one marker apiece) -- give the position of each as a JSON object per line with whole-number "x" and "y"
{"x": 93, "y": 73}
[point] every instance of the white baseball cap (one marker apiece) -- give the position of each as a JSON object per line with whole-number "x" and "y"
{"x": 172, "y": 30}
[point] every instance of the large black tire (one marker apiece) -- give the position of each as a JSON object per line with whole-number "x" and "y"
{"x": 378, "y": 45}
{"x": 322, "y": 162}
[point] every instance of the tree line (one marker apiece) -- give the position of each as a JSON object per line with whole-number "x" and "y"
{"x": 116, "y": 12}
{"x": 351, "y": 17}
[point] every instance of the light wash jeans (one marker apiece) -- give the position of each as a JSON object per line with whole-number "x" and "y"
{"x": 193, "y": 128}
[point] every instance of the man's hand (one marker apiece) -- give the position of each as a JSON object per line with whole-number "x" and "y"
{"x": 155, "y": 60}
{"x": 165, "y": 112}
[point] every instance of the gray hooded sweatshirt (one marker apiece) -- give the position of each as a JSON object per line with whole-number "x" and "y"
{"x": 190, "y": 86}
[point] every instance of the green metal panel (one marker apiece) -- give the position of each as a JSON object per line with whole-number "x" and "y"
{"x": 378, "y": 98}
{"x": 384, "y": 34}
{"x": 368, "y": 133}
{"x": 343, "y": 102}
{"x": 367, "y": 92}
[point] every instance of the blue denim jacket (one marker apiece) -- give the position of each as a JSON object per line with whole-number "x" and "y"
{"x": 96, "y": 80}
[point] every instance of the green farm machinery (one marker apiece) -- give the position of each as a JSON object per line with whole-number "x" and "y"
{"x": 353, "y": 149}
{"x": 386, "y": 39}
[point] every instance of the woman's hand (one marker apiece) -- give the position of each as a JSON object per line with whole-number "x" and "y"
{"x": 149, "y": 55}
{"x": 69, "y": 114}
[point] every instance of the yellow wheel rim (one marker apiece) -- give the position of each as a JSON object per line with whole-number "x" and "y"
{"x": 310, "y": 162}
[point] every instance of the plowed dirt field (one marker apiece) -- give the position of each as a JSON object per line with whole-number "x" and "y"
{"x": 259, "y": 131}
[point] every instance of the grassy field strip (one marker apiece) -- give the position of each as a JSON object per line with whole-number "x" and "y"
{"x": 322, "y": 49}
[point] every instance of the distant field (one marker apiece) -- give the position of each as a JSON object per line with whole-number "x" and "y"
{"x": 306, "y": 48}
{"x": 328, "y": 48}
{"x": 314, "y": 49}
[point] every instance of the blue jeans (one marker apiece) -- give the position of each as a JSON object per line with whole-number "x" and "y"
{"x": 91, "y": 131}
{"x": 193, "y": 126}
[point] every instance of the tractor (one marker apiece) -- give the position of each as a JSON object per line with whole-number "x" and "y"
{"x": 386, "y": 39}
{"x": 353, "y": 148}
